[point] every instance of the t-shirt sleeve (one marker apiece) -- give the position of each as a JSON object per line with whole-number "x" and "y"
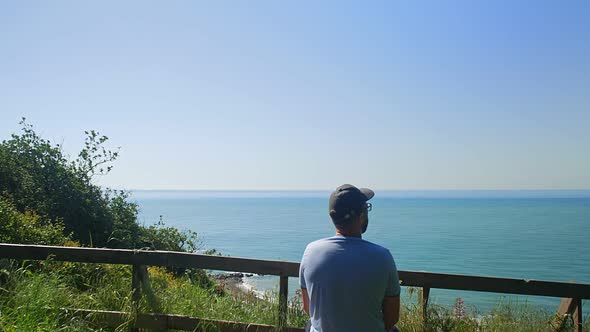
{"x": 301, "y": 269}
{"x": 393, "y": 288}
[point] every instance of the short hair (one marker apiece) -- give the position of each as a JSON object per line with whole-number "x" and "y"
{"x": 344, "y": 220}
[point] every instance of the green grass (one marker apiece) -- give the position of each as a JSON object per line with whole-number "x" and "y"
{"x": 27, "y": 293}
{"x": 509, "y": 316}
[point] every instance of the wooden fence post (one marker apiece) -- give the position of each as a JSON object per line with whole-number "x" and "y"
{"x": 566, "y": 307}
{"x": 283, "y": 294}
{"x": 147, "y": 291}
{"x": 578, "y": 315}
{"x": 136, "y": 285}
{"x": 136, "y": 290}
{"x": 425, "y": 295}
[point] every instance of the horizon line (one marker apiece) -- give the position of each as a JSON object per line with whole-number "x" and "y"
{"x": 378, "y": 189}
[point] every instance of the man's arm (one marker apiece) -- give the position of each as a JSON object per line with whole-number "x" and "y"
{"x": 305, "y": 298}
{"x": 390, "y": 311}
{"x": 391, "y": 300}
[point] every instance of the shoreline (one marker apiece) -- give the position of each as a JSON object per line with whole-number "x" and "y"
{"x": 233, "y": 284}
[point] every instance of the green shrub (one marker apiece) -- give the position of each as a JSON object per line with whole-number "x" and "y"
{"x": 36, "y": 176}
{"x": 28, "y": 227}
{"x": 40, "y": 188}
{"x": 161, "y": 237}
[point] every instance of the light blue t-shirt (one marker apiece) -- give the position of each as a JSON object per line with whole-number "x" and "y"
{"x": 346, "y": 279}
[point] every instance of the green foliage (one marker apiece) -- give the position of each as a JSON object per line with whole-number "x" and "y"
{"x": 53, "y": 287}
{"x": 27, "y": 294}
{"x": 94, "y": 159}
{"x": 510, "y": 316}
{"x": 83, "y": 276}
{"x": 28, "y": 228}
{"x": 162, "y": 237}
{"x": 519, "y": 316}
{"x": 40, "y": 188}
{"x": 25, "y": 300}
{"x": 47, "y": 199}
{"x": 36, "y": 176}
{"x": 126, "y": 232}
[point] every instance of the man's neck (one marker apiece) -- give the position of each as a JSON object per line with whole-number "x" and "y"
{"x": 347, "y": 233}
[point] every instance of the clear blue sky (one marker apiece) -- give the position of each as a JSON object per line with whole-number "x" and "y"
{"x": 308, "y": 94}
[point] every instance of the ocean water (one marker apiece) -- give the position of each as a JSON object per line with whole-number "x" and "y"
{"x": 520, "y": 234}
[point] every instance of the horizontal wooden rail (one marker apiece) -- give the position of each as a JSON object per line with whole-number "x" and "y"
{"x": 148, "y": 257}
{"x": 288, "y": 269}
{"x": 494, "y": 284}
{"x": 163, "y": 322}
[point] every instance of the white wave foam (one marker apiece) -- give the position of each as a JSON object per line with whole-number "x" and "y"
{"x": 249, "y": 287}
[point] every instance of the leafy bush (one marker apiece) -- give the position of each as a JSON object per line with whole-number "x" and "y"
{"x": 36, "y": 176}
{"x": 28, "y": 227}
{"x": 41, "y": 188}
{"x": 162, "y": 237}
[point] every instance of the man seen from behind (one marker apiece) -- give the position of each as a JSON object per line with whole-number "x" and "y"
{"x": 349, "y": 284}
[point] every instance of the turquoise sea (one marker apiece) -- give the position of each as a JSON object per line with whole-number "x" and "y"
{"x": 540, "y": 235}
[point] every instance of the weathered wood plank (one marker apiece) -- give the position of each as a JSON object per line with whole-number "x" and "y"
{"x": 135, "y": 290}
{"x": 566, "y": 307}
{"x": 425, "y": 297}
{"x": 147, "y": 290}
{"x": 494, "y": 285}
{"x": 578, "y": 321}
{"x": 163, "y": 322}
{"x": 283, "y": 295}
{"x": 154, "y": 258}
{"x": 136, "y": 285}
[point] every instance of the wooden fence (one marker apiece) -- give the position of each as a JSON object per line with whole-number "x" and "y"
{"x": 572, "y": 294}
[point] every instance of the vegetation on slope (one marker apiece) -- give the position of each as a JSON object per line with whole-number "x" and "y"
{"x": 27, "y": 294}
{"x": 40, "y": 186}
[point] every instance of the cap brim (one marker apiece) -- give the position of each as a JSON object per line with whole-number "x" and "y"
{"x": 367, "y": 192}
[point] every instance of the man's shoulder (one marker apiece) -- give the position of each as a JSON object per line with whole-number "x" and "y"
{"x": 377, "y": 248}
{"x": 320, "y": 242}
{"x": 373, "y": 247}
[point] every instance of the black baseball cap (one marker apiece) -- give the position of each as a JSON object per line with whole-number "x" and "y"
{"x": 348, "y": 198}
